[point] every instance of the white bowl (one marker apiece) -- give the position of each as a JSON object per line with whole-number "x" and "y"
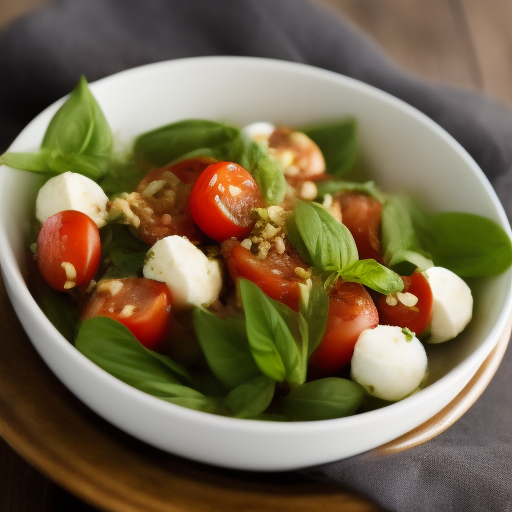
{"x": 404, "y": 149}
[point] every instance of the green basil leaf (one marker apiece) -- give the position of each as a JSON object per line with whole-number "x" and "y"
{"x": 226, "y": 348}
{"x": 323, "y": 399}
{"x": 338, "y": 142}
{"x": 52, "y": 162}
{"x": 79, "y": 126}
{"x": 267, "y": 172}
{"x": 121, "y": 176}
{"x": 113, "y": 347}
{"x": 188, "y": 397}
{"x": 373, "y": 275}
{"x": 122, "y": 252}
{"x": 320, "y": 239}
{"x": 61, "y": 311}
{"x": 251, "y": 398}
{"x": 469, "y": 245}
{"x": 91, "y": 166}
{"x": 314, "y": 308}
{"x": 403, "y": 223}
{"x": 269, "y": 331}
{"x": 33, "y": 162}
{"x": 163, "y": 145}
{"x": 333, "y": 187}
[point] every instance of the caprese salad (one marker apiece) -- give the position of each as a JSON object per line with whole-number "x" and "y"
{"x": 235, "y": 271}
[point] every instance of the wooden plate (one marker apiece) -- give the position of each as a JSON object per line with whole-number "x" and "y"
{"x": 51, "y": 429}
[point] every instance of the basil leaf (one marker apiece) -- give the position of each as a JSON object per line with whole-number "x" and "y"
{"x": 333, "y": 187}
{"x": 33, "y": 162}
{"x": 226, "y": 348}
{"x": 53, "y": 162}
{"x": 163, "y": 145}
{"x": 267, "y": 172}
{"x": 469, "y": 245}
{"x": 79, "y": 126}
{"x": 402, "y": 223}
{"x": 323, "y": 399}
{"x": 338, "y": 142}
{"x": 121, "y": 176}
{"x": 373, "y": 275}
{"x": 250, "y": 399}
{"x": 314, "y": 308}
{"x": 188, "y": 397}
{"x": 113, "y": 347}
{"x": 320, "y": 239}
{"x": 123, "y": 251}
{"x": 61, "y": 311}
{"x": 271, "y": 341}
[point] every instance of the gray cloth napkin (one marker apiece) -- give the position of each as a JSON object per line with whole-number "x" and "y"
{"x": 467, "y": 468}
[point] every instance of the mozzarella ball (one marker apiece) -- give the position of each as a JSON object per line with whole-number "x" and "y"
{"x": 260, "y": 131}
{"x": 72, "y": 191}
{"x": 193, "y": 279}
{"x": 388, "y": 363}
{"x": 452, "y": 308}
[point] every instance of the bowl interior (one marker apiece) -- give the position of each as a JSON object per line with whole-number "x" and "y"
{"x": 401, "y": 149}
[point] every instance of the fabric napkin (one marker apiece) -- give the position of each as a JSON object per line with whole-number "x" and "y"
{"x": 468, "y": 467}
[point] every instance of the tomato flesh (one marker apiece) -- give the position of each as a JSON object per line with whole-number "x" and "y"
{"x": 416, "y": 318}
{"x": 68, "y": 250}
{"x": 275, "y": 274}
{"x": 363, "y": 216}
{"x": 140, "y": 304}
{"x": 351, "y": 311}
{"x": 165, "y": 212}
{"x": 222, "y": 199}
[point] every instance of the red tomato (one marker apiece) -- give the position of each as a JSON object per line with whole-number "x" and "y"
{"x": 68, "y": 250}
{"x": 165, "y": 212}
{"x": 140, "y": 304}
{"x": 351, "y": 311}
{"x": 363, "y": 215}
{"x": 275, "y": 275}
{"x": 416, "y": 318}
{"x": 222, "y": 199}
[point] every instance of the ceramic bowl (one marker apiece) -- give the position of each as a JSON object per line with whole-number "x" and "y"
{"x": 402, "y": 149}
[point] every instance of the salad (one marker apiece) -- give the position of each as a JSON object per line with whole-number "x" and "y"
{"x": 237, "y": 271}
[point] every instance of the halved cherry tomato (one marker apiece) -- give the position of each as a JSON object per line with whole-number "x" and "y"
{"x": 165, "y": 212}
{"x": 68, "y": 250}
{"x": 222, "y": 199}
{"x": 275, "y": 274}
{"x": 363, "y": 216}
{"x": 351, "y": 311}
{"x": 302, "y": 159}
{"x": 416, "y": 318}
{"x": 140, "y": 304}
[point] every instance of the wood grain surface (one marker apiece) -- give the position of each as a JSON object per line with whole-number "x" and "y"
{"x": 465, "y": 43}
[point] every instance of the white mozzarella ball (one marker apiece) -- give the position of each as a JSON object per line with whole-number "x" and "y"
{"x": 72, "y": 191}
{"x": 388, "y": 363}
{"x": 192, "y": 278}
{"x": 259, "y": 131}
{"x": 453, "y": 304}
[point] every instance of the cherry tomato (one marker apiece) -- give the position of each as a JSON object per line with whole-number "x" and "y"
{"x": 165, "y": 212}
{"x": 416, "y": 318}
{"x": 351, "y": 311}
{"x": 68, "y": 250}
{"x": 363, "y": 215}
{"x": 301, "y": 157}
{"x": 222, "y": 199}
{"x": 275, "y": 274}
{"x": 140, "y": 304}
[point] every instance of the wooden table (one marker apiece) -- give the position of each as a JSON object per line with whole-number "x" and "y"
{"x": 465, "y": 43}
